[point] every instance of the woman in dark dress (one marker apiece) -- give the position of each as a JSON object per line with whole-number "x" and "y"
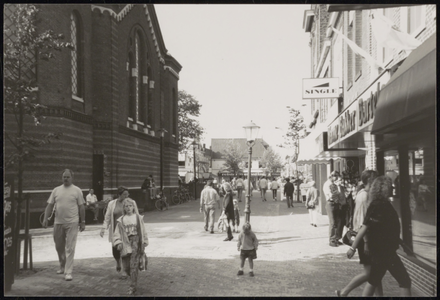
{"x": 228, "y": 208}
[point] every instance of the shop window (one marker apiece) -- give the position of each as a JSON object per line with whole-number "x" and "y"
{"x": 422, "y": 199}
{"x": 423, "y": 203}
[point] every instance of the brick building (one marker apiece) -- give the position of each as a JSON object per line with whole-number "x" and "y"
{"x": 383, "y": 117}
{"x": 113, "y": 97}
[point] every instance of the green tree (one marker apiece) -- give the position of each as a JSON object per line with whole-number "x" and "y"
{"x": 234, "y": 157}
{"x": 25, "y": 48}
{"x": 271, "y": 161}
{"x": 295, "y": 130}
{"x": 189, "y": 129}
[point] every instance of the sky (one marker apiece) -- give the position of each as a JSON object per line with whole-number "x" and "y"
{"x": 241, "y": 63}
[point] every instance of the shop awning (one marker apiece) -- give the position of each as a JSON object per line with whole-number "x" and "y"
{"x": 316, "y": 160}
{"x": 347, "y": 7}
{"x": 410, "y": 94}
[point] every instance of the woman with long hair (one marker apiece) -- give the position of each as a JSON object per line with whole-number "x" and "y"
{"x": 115, "y": 210}
{"x": 381, "y": 226}
{"x": 362, "y": 202}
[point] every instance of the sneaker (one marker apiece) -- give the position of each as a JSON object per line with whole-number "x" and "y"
{"x": 240, "y": 272}
{"x": 251, "y": 274}
{"x": 60, "y": 271}
{"x": 68, "y": 277}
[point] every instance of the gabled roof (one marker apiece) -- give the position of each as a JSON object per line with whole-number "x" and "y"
{"x": 219, "y": 145}
{"x": 120, "y": 11}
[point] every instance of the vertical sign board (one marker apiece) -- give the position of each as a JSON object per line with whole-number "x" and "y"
{"x": 9, "y": 228}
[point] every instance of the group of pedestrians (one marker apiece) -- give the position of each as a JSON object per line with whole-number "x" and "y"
{"x": 126, "y": 228}
{"x": 376, "y": 226}
{"x": 247, "y": 241}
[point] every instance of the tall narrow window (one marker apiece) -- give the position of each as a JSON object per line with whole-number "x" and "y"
{"x": 137, "y": 78}
{"x": 76, "y": 71}
{"x": 174, "y": 113}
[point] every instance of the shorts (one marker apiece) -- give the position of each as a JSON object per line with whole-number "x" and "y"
{"x": 364, "y": 259}
{"x": 394, "y": 265}
{"x": 248, "y": 254}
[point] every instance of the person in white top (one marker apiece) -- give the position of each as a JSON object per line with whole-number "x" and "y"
{"x": 239, "y": 184}
{"x": 208, "y": 200}
{"x": 67, "y": 200}
{"x": 92, "y": 204}
{"x": 263, "y": 188}
{"x": 274, "y": 187}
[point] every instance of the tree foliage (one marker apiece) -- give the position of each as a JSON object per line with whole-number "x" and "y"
{"x": 189, "y": 129}
{"x": 271, "y": 161}
{"x": 295, "y": 130}
{"x": 234, "y": 157}
{"x": 24, "y": 48}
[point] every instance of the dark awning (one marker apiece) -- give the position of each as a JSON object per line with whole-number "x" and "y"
{"x": 347, "y": 7}
{"x": 410, "y": 94}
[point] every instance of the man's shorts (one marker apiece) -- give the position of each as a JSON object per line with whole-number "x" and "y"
{"x": 394, "y": 265}
{"x": 248, "y": 254}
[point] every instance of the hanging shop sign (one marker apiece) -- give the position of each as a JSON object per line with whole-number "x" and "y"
{"x": 316, "y": 88}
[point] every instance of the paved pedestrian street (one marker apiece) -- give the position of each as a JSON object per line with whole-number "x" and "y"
{"x": 294, "y": 259}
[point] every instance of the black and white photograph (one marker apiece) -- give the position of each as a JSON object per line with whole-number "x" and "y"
{"x": 220, "y": 150}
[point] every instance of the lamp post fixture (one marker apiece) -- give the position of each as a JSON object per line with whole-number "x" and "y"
{"x": 251, "y": 131}
{"x": 194, "y": 144}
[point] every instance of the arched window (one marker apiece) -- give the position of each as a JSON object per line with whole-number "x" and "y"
{"x": 138, "y": 78}
{"x": 76, "y": 58}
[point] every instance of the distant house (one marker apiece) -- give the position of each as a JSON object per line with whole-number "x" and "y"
{"x": 218, "y": 147}
{"x": 203, "y": 163}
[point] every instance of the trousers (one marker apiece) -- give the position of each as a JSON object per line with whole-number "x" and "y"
{"x": 333, "y": 219}
{"x": 130, "y": 262}
{"x": 209, "y": 215}
{"x": 64, "y": 236}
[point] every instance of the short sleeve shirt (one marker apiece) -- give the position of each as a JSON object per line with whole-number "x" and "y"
{"x": 383, "y": 229}
{"x": 263, "y": 183}
{"x": 67, "y": 200}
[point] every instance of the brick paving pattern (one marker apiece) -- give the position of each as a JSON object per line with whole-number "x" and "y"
{"x": 294, "y": 259}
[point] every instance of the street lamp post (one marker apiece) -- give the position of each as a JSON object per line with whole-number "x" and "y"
{"x": 251, "y": 131}
{"x": 194, "y": 144}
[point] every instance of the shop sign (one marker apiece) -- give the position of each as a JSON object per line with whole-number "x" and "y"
{"x": 344, "y": 125}
{"x": 316, "y": 88}
{"x": 368, "y": 107}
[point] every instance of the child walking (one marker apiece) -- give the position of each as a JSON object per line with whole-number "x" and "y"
{"x": 247, "y": 245}
{"x": 236, "y": 215}
{"x": 130, "y": 238}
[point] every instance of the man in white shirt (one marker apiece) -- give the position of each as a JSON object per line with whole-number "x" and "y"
{"x": 92, "y": 204}
{"x": 68, "y": 201}
{"x": 332, "y": 207}
{"x": 208, "y": 199}
{"x": 239, "y": 183}
{"x": 263, "y": 188}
